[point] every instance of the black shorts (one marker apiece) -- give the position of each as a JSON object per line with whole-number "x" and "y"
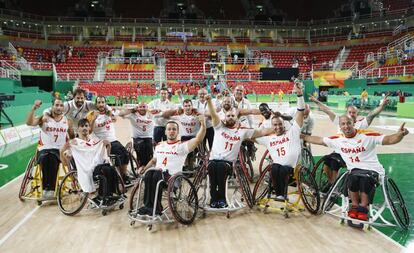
{"x": 42, "y": 154}
{"x": 187, "y": 138}
{"x": 121, "y": 153}
{"x": 362, "y": 180}
{"x": 334, "y": 161}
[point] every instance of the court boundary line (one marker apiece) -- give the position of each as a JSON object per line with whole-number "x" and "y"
{"x": 17, "y": 226}
{"x": 386, "y": 237}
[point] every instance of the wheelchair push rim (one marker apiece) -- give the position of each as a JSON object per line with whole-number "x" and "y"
{"x": 308, "y": 190}
{"x": 396, "y": 204}
{"x": 70, "y": 190}
{"x": 182, "y": 199}
{"x": 31, "y": 165}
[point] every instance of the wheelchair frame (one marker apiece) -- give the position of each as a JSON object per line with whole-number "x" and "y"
{"x": 201, "y": 181}
{"x": 168, "y": 214}
{"x": 33, "y": 178}
{"x": 73, "y": 187}
{"x": 376, "y": 211}
{"x": 303, "y": 189}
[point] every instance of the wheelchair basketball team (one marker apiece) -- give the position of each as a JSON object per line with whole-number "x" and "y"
{"x": 81, "y": 136}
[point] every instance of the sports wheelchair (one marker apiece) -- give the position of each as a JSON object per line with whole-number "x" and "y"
{"x": 387, "y": 209}
{"x": 245, "y": 158}
{"x": 178, "y": 203}
{"x": 134, "y": 163}
{"x": 307, "y": 191}
{"x": 321, "y": 175}
{"x": 72, "y": 199}
{"x": 32, "y": 186}
{"x": 238, "y": 193}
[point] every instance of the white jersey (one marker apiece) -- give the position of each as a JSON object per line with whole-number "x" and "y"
{"x": 246, "y": 121}
{"x": 87, "y": 155}
{"x": 163, "y": 106}
{"x": 189, "y": 124}
{"x": 359, "y": 124}
{"x": 202, "y": 108}
{"x": 53, "y": 134}
{"x": 284, "y": 149}
{"x": 142, "y": 125}
{"x": 104, "y": 128}
{"x": 171, "y": 156}
{"x": 74, "y": 113}
{"x": 227, "y": 142}
{"x": 358, "y": 151}
{"x": 266, "y": 123}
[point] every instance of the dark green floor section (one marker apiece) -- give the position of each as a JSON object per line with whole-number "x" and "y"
{"x": 398, "y": 166}
{"x": 16, "y": 162}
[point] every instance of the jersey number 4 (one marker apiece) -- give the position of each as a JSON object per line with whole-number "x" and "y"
{"x": 164, "y": 162}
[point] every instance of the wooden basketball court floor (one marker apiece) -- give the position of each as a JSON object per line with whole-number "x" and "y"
{"x": 25, "y": 227}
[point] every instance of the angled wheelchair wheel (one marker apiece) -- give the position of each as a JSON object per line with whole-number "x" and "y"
{"x": 308, "y": 190}
{"x": 121, "y": 189}
{"x": 319, "y": 175}
{"x": 200, "y": 175}
{"x": 396, "y": 203}
{"x": 182, "y": 199}
{"x": 133, "y": 165}
{"x": 246, "y": 164}
{"x": 262, "y": 187}
{"x": 136, "y": 199}
{"x": 28, "y": 187}
{"x": 244, "y": 185}
{"x": 334, "y": 195}
{"x": 307, "y": 158}
{"x": 71, "y": 198}
{"x": 265, "y": 161}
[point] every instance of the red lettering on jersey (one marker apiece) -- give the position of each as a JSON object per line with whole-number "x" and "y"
{"x": 56, "y": 129}
{"x": 279, "y": 142}
{"x": 353, "y": 150}
{"x": 144, "y": 121}
{"x": 191, "y": 124}
{"x": 107, "y": 122}
{"x": 231, "y": 138}
{"x": 168, "y": 153}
